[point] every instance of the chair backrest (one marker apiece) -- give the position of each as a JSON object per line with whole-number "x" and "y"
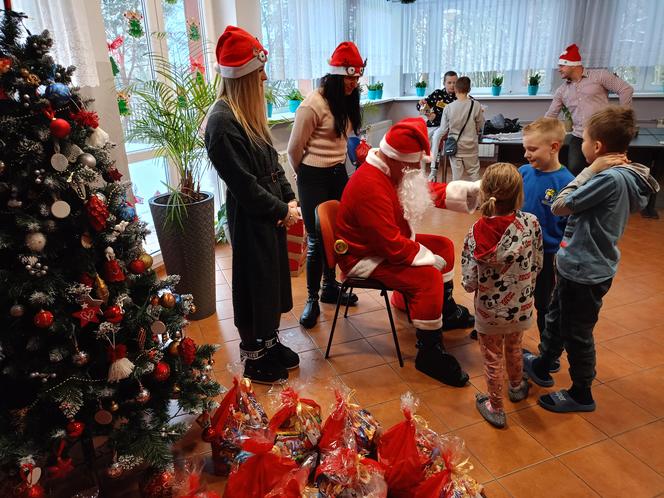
{"x": 326, "y": 225}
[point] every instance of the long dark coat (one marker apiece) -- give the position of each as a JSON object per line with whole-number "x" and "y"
{"x": 257, "y": 198}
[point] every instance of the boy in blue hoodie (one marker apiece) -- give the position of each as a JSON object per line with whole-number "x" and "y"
{"x": 598, "y": 202}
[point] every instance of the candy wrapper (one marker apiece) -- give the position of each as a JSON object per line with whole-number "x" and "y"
{"x": 405, "y": 449}
{"x": 258, "y": 468}
{"x": 344, "y": 473}
{"x": 349, "y": 426}
{"x": 296, "y": 424}
{"x": 294, "y": 483}
{"x": 362, "y": 151}
{"x": 189, "y": 482}
{"x": 239, "y": 412}
{"x": 447, "y": 473}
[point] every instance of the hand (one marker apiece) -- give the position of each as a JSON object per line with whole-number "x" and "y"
{"x": 292, "y": 203}
{"x": 431, "y": 116}
{"x": 473, "y": 198}
{"x": 423, "y": 102}
{"x": 292, "y": 217}
{"x": 607, "y": 161}
{"x": 439, "y": 263}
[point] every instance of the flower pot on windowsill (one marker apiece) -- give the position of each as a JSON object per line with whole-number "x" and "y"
{"x": 379, "y": 94}
{"x": 532, "y": 89}
{"x": 495, "y": 90}
{"x": 270, "y": 105}
{"x": 372, "y": 94}
{"x": 293, "y": 105}
{"x": 419, "y": 91}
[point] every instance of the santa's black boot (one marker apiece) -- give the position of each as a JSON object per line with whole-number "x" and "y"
{"x": 261, "y": 367}
{"x": 281, "y": 353}
{"x": 455, "y": 316}
{"x": 331, "y": 289}
{"x": 434, "y": 361}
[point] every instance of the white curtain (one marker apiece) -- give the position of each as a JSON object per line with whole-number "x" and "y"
{"x": 371, "y": 29}
{"x": 67, "y": 22}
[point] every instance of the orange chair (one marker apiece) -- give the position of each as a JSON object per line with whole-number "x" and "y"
{"x": 326, "y": 222}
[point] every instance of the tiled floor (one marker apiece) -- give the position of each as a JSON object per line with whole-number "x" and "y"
{"x": 615, "y": 451}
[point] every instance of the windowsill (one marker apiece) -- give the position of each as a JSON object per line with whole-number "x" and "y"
{"x": 288, "y": 117}
{"x": 539, "y": 96}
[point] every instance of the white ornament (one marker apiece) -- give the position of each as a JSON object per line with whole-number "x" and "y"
{"x": 120, "y": 227}
{"x": 35, "y": 241}
{"x": 60, "y": 209}
{"x": 98, "y": 138}
{"x": 110, "y": 253}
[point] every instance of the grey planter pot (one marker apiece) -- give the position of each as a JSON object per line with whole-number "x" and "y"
{"x": 189, "y": 252}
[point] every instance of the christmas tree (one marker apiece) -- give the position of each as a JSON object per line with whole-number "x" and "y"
{"x": 92, "y": 343}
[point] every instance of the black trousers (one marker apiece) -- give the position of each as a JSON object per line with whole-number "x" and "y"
{"x": 546, "y": 280}
{"x": 572, "y": 316}
{"x": 315, "y": 186}
{"x": 571, "y": 155}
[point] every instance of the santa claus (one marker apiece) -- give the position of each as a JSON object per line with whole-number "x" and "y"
{"x": 381, "y": 204}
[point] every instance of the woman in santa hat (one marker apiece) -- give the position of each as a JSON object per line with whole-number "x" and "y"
{"x": 317, "y": 154}
{"x": 260, "y": 204}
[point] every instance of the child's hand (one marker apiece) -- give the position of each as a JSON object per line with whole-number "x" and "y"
{"x": 607, "y": 161}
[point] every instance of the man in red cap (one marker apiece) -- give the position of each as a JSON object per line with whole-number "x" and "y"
{"x": 584, "y": 92}
{"x": 382, "y": 202}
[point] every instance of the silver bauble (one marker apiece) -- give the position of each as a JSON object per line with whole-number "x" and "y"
{"x": 88, "y": 160}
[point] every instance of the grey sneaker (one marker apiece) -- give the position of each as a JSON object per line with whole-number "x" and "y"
{"x": 519, "y": 393}
{"x": 496, "y": 418}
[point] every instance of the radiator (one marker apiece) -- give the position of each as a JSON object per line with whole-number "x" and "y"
{"x": 487, "y": 150}
{"x": 376, "y": 131}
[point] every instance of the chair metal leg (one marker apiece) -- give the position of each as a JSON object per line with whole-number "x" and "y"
{"x": 405, "y": 301}
{"x": 334, "y": 322}
{"x": 394, "y": 330}
{"x": 350, "y": 291}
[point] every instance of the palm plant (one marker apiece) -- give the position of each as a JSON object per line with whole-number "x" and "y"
{"x": 170, "y": 112}
{"x": 534, "y": 79}
{"x": 497, "y": 80}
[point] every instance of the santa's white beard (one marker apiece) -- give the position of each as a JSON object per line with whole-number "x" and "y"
{"x": 414, "y": 196}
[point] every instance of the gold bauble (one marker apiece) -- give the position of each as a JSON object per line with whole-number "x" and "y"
{"x": 173, "y": 348}
{"x": 176, "y": 391}
{"x": 192, "y": 309}
{"x": 146, "y": 259}
{"x": 167, "y": 300}
{"x": 113, "y": 406}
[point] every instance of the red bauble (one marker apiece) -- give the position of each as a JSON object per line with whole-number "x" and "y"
{"x": 113, "y": 314}
{"x": 137, "y": 267}
{"x": 60, "y": 128}
{"x": 24, "y": 490}
{"x": 209, "y": 434}
{"x": 43, "y": 319}
{"x": 187, "y": 350}
{"x": 161, "y": 371}
{"x": 75, "y": 428}
{"x": 86, "y": 280}
{"x": 158, "y": 485}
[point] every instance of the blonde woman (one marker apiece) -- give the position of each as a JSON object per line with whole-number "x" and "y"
{"x": 260, "y": 205}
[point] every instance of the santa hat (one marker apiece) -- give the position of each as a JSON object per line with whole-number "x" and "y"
{"x": 407, "y": 141}
{"x": 346, "y": 60}
{"x": 570, "y": 57}
{"x": 238, "y": 53}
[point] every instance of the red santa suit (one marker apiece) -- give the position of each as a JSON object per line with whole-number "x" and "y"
{"x": 382, "y": 244}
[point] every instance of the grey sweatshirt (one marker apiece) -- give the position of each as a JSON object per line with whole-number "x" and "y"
{"x": 598, "y": 205}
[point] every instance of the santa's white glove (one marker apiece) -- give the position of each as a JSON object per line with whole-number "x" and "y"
{"x": 439, "y": 263}
{"x": 473, "y": 197}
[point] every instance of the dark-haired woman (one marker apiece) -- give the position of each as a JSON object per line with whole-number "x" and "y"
{"x": 317, "y": 154}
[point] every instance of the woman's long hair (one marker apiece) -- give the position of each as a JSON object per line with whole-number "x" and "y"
{"x": 245, "y": 96}
{"x": 344, "y": 108}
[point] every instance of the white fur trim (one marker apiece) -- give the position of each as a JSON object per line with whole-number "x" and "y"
{"x": 565, "y": 62}
{"x": 447, "y": 277}
{"x": 365, "y": 267}
{"x": 428, "y": 324}
{"x": 462, "y": 196}
{"x": 424, "y": 257}
{"x": 377, "y": 162}
{"x": 390, "y": 151}
{"x": 343, "y": 71}
{"x": 239, "y": 71}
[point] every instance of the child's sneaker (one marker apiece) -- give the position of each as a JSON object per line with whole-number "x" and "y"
{"x": 519, "y": 393}
{"x": 496, "y": 418}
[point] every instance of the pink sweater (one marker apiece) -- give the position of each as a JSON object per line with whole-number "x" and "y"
{"x": 313, "y": 140}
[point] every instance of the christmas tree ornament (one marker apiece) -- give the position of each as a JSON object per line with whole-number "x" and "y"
{"x": 158, "y": 485}
{"x": 101, "y": 289}
{"x": 114, "y": 314}
{"x": 59, "y": 162}
{"x": 103, "y": 417}
{"x": 112, "y": 175}
{"x": 5, "y": 64}
{"x": 121, "y": 367}
{"x": 192, "y": 308}
{"x": 74, "y": 429}
{"x": 142, "y": 335}
{"x": 193, "y": 30}
{"x": 136, "y": 266}
{"x": 39, "y": 176}
{"x": 87, "y": 160}
{"x": 3, "y": 167}
{"x": 29, "y": 487}
{"x": 87, "y": 314}
{"x": 167, "y": 300}
{"x": 112, "y": 270}
{"x": 86, "y": 240}
{"x": 127, "y": 212}
{"x": 87, "y": 119}
{"x": 17, "y": 311}
{"x": 113, "y": 406}
{"x": 114, "y": 470}
{"x": 209, "y": 434}
{"x": 60, "y": 128}
{"x": 35, "y": 241}
{"x": 58, "y": 93}
{"x": 97, "y": 212}
{"x": 187, "y": 350}
{"x": 161, "y": 371}
{"x": 43, "y": 319}
{"x": 158, "y": 327}
{"x": 63, "y": 466}
{"x": 143, "y": 396}
{"x": 154, "y": 300}
{"x": 175, "y": 393}
{"x": 173, "y": 348}
{"x": 60, "y": 209}
{"x": 147, "y": 260}
{"x": 135, "y": 26}
{"x": 80, "y": 358}
{"x": 178, "y": 335}
{"x": 123, "y": 103}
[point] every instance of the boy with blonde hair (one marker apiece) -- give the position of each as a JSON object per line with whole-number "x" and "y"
{"x": 543, "y": 177}
{"x": 598, "y": 202}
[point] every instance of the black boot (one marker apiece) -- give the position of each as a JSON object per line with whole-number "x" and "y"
{"x": 280, "y": 353}
{"x": 261, "y": 368}
{"x": 314, "y": 274}
{"x": 331, "y": 289}
{"x": 310, "y": 313}
{"x": 434, "y": 361}
{"x": 455, "y": 316}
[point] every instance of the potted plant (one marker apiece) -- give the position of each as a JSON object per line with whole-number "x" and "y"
{"x": 496, "y": 85}
{"x": 420, "y": 88}
{"x": 372, "y": 91}
{"x": 379, "y": 89}
{"x": 274, "y": 96}
{"x": 533, "y": 83}
{"x": 294, "y": 98}
{"x": 169, "y": 113}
